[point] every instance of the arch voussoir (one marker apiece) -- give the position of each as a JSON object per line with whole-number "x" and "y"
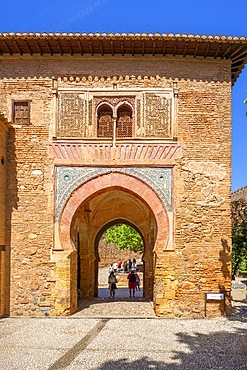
{"x": 106, "y": 182}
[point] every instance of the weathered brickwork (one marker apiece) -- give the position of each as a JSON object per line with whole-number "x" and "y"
{"x": 43, "y": 274}
{"x": 3, "y": 191}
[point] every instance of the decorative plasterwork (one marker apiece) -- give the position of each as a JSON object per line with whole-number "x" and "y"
{"x": 68, "y": 179}
{"x": 154, "y": 109}
{"x": 99, "y": 153}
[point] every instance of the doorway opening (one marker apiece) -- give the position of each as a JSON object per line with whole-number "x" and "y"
{"x": 120, "y": 249}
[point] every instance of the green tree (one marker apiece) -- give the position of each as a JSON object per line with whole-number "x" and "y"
{"x": 239, "y": 235}
{"x": 125, "y": 237}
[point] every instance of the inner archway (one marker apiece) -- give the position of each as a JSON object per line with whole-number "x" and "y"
{"x": 120, "y": 247}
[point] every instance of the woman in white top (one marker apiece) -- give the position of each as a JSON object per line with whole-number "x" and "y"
{"x": 112, "y": 281}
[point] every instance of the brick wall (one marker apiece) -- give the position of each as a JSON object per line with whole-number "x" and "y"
{"x": 3, "y": 182}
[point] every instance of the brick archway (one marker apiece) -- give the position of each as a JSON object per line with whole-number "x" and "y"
{"x": 129, "y": 184}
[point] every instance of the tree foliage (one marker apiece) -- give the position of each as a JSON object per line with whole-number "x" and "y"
{"x": 125, "y": 237}
{"x": 239, "y": 235}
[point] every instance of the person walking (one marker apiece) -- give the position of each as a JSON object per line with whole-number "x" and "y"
{"x": 138, "y": 280}
{"x": 130, "y": 264}
{"x": 132, "y": 282}
{"x": 112, "y": 281}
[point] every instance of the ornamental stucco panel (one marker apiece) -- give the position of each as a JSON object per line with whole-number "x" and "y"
{"x": 71, "y": 115}
{"x": 70, "y": 178}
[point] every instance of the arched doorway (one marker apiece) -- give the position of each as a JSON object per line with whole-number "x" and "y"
{"x": 93, "y": 217}
{"x": 94, "y": 205}
{"x": 107, "y": 254}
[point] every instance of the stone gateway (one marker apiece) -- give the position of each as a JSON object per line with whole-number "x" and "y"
{"x": 97, "y": 129}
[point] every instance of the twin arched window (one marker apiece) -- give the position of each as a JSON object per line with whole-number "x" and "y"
{"x": 105, "y": 122}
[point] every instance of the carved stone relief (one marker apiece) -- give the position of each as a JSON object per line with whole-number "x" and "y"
{"x": 70, "y": 178}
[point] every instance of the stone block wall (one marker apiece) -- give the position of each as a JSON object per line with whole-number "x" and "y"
{"x": 201, "y": 259}
{"x": 3, "y": 189}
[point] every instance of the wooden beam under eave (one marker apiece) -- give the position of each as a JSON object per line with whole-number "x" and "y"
{"x": 59, "y": 47}
{"x": 196, "y": 50}
{"x": 112, "y": 48}
{"x": 217, "y": 51}
{"x": 80, "y": 47}
{"x": 18, "y": 47}
{"x": 175, "y": 48}
{"x": 240, "y": 56}
{"x": 69, "y": 47}
{"x": 236, "y": 51}
{"x": 48, "y": 47}
{"x": 185, "y": 49}
{"x": 122, "y": 48}
{"x": 9, "y": 50}
{"x": 101, "y": 48}
{"x": 143, "y": 48}
{"x": 38, "y": 47}
{"x": 207, "y": 50}
{"x": 226, "y": 52}
{"x": 164, "y": 48}
{"x": 90, "y": 47}
{"x": 154, "y": 48}
{"x": 237, "y": 64}
{"x": 28, "y": 47}
{"x": 132, "y": 48}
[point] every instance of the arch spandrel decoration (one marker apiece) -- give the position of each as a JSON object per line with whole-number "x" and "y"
{"x": 68, "y": 179}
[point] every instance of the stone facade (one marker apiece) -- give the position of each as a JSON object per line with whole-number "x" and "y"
{"x": 4, "y": 127}
{"x": 65, "y": 186}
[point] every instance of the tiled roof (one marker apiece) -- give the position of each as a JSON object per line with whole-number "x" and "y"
{"x": 184, "y": 45}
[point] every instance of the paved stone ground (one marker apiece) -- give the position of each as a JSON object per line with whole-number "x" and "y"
{"x": 119, "y": 307}
{"x": 124, "y": 344}
{"x": 95, "y": 340}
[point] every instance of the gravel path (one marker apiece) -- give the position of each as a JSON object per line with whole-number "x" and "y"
{"x": 105, "y": 344}
{"x": 100, "y": 342}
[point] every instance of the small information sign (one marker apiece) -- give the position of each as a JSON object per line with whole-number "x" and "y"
{"x": 214, "y": 297}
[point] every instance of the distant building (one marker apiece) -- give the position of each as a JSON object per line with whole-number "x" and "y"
{"x": 102, "y": 129}
{"x": 240, "y": 193}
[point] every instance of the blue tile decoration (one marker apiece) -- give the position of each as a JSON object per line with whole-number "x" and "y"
{"x": 68, "y": 179}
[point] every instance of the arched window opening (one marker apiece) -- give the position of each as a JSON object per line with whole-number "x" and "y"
{"x": 105, "y": 122}
{"x": 124, "y": 122}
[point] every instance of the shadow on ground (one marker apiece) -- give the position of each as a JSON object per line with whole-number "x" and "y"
{"x": 221, "y": 350}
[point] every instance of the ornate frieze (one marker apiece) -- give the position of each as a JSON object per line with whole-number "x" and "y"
{"x": 122, "y": 153}
{"x": 111, "y": 81}
{"x": 68, "y": 179}
{"x": 71, "y": 115}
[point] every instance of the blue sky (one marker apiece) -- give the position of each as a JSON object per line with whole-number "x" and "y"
{"x": 222, "y": 17}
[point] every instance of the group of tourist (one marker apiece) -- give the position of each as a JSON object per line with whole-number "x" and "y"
{"x": 126, "y": 266}
{"x": 133, "y": 278}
